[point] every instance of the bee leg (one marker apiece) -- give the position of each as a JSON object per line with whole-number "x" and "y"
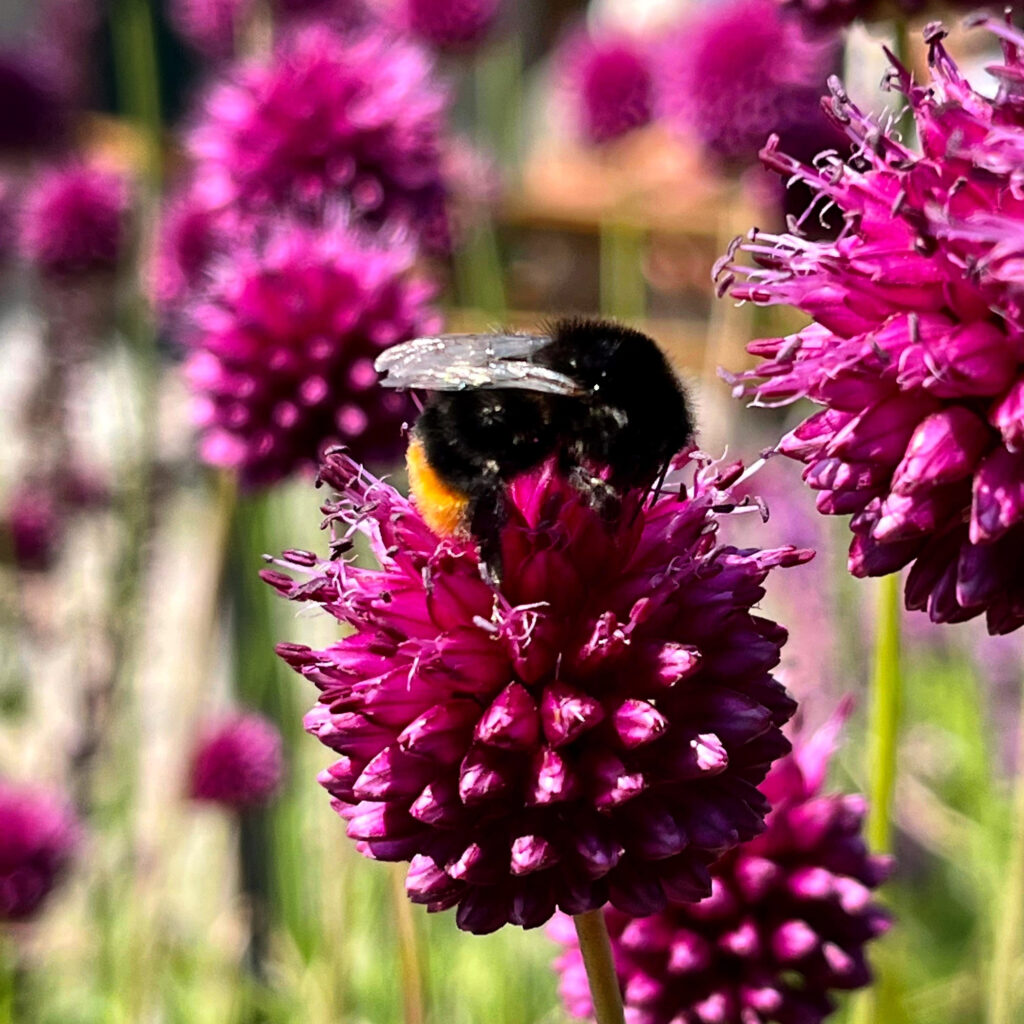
{"x": 599, "y": 494}
{"x": 487, "y": 515}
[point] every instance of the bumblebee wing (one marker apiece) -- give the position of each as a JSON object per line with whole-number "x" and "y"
{"x": 455, "y": 362}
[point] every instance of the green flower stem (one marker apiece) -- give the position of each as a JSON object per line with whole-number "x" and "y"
{"x": 1004, "y": 994}
{"x": 8, "y": 980}
{"x": 597, "y": 958}
{"x": 478, "y": 272}
{"x": 408, "y": 950}
{"x": 623, "y": 287}
{"x": 886, "y": 702}
{"x": 137, "y": 75}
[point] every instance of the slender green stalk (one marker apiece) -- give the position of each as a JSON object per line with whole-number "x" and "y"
{"x": 597, "y": 958}
{"x": 8, "y": 980}
{"x": 478, "y": 272}
{"x": 408, "y": 951}
{"x": 138, "y": 80}
{"x": 1004, "y": 993}
{"x": 623, "y": 288}
{"x": 886, "y": 702}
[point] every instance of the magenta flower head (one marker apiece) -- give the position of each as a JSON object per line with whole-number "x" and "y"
{"x": 449, "y": 24}
{"x": 608, "y": 79}
{"x": 831, "y": 14}
{"x": 38, "y": 836}
{"x": 33, "y": 523}
{"x": 915, "y": 351}
{"x": 785, "y": 926}
{"x": 594, "y": 730}
{"x": 738, "y": 71}
{"x": 282, "y": 342}
{"x": 237, "y": 763}
{"x": 328, "y": 118}
{"x": 210, "y": 27}
{"x": 75, "y": 222}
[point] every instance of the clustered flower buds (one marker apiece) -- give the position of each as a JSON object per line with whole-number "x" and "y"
{"x": 593, "y": 731}
{"x": 74, "y": 221}
{"x": 786, "y": 924}
{"x": 330, "y": 118}
{"x": 915, "y": 350}
{"x": 282, "y": 342}
{"x": 608, "y": 79}
{"x": 735, "y": 72}
{"x": 38, "y": 836}
{"x": 237, "y": 763}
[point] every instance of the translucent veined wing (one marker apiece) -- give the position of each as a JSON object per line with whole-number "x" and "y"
{"x": 455, "y": 362}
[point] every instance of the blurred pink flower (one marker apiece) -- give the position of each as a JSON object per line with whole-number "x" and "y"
{"x": 916, "y": 350}
{"x": 734, "y": 72}
{"x": 330, "y": 118}
{"x": 237, "y": 763}
{"x": 282, "y": 342}
{"x": 451, "y": 24}
{"x": 594, "y": 730}
{"x": 609, "y": 80}
{"x": 38, "y": 836}
{"x": 785, "y": 926}
{"x": 34, "y": 524}
{"x": 74, "y": 221}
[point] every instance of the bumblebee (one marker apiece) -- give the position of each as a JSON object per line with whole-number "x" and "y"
{"x": 600, "y": 397}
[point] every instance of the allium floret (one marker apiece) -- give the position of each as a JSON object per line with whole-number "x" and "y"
{"x": 785, "y": 926}
{"x": 282, "y": 342}
{"x": 595, "y": 730}
{"x": 915, "y": 353}
{"x": 38, "y": 836}
{"x": 237, "y": 762}
{"x": 328, "y": 118}
{"x": 609, "y": 80}
{"x": 735, "y": 72}
{"x": 75, "y": 221}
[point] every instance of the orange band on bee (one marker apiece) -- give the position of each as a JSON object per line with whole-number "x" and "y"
{"x": 443, "y": 508}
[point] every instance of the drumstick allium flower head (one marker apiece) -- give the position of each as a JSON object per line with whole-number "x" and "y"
{"x": 237, "y": 763}
{"x": 38, "y": 837}
{"x": 450, "y": 24}
{"x": 329, "y": 117}
{"x": 75, "y": 221}
{"x": 734, "y": 72}
{"x": 282, "y": 342}
{"x": 915, "y": 352}
{"x": 593, "y": 730}
{"x": 785, "y": 927}
{"x": 608, "y": 78}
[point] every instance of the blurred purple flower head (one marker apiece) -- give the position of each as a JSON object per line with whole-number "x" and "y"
{"x": 609, "y": 81}
{"x": 9, "y": 202}
{"x": 450, "y": 24}
{"x": 38, "y": 836}
{"x": 594, "y": 730}
{"x": 785, "y": 926}
{"x": 33, "y": 522}
{"x": 916, "y": 350}
{"x": 735, "y": 72}
{"x": 209, "y": 26}
{"x": 34, "y": 108}
{"x": 191, "y": 234}
{"x": 282, "y": 343}
{"x": 329, "y": 118}
{"x": 237, "y": 763}
{"x": 74, "y": 221}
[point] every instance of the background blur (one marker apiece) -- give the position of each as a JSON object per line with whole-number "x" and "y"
{"x": 131, "y": 615}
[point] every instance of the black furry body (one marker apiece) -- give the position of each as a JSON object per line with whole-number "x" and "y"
{"x": 629, "y": 417}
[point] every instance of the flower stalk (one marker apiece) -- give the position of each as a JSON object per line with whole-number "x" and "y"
{"x": 1003, "y": 992}
{"x": 597, "y": 958}
{"x": 886, "y": 706}
{"x": 408, "y": 952}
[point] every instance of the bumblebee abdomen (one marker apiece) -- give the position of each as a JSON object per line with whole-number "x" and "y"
{"x": 442, "y": 506}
